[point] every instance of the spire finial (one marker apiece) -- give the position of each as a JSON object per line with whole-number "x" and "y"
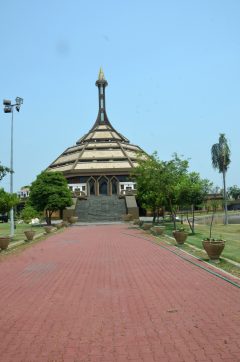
{"x": 101, "y": 74}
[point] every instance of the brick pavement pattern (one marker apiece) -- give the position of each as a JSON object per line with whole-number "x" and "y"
{"x": 103, "y": 293}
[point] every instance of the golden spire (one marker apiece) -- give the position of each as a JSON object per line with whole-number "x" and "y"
{"x": 101, "y": 74}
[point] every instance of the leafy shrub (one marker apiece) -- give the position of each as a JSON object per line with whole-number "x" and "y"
{"x": 29, "y": 213}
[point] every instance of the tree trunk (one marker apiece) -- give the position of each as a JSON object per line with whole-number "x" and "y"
{"x": 154, "y": 216}
{"x": 193, "y": 219}
{"x": 158, "y": 215}
{"x": 225, "y": 198}
{"x": 189, "y": 223}
{"x": 211, "y": 224}
{"x": 172, "y": 214}
{"x": 48, "y": 215}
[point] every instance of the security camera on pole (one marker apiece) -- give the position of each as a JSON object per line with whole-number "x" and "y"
{"x": 9, "y": 108}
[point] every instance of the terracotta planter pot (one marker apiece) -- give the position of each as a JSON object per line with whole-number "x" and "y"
{"x": 180, "y": 236}
{"x": 158, "y": 230}
{"x": 4, "y": 241}
{"x": 146, "y": 226}
{"x": 73, "y": 219}
{"x": 213, "y": 248}
{"x": 29, "y": 234}
{"x": 48, "y": 229}
{"x": 127, "y": 217}
{"x": 136, "y": 222}
{"x": 59, "y": 226}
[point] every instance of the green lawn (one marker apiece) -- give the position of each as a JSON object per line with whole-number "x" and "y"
{"x": 230, "y": 233}
{"x": 19, "y": 231}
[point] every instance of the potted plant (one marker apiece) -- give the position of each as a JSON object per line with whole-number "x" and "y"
{"x": 136, "y": 221}
{"x": 146, "y": 226}
{"x": 4, "y": 242}
{"x": 180, "y": 235}
{"x": 59, "y": 225}
{"x": 127, "y": 217}
{"x": 213, "y": 246}
{"x": 48, "y": 229}
{"x": 72, "y": 219}
{"x": 31, "y": 217}
{"x": 158, "y": 230}
{"x": 7, "y": 201}
{"x": 29, "y": 234}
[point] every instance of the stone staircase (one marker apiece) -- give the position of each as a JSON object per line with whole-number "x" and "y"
{"x": 100, "y": 209}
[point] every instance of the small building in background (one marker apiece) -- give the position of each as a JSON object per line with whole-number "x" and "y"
{"x": 23, "y": 194}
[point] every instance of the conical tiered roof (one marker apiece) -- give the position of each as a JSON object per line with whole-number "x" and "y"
{"x": 101, "y": 150}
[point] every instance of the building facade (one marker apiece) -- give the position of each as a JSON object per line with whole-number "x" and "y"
{"x": 101, "y": 162}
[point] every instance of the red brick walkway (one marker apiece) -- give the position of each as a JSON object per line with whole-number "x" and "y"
{"x": 98, "y": 294}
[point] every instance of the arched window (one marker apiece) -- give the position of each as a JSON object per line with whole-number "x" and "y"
{"x": 103, "y": 186}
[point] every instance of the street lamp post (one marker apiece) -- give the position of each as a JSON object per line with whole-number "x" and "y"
{"x": 9, "y": 108}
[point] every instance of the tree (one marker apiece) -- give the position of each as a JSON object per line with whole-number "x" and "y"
{"x": 234, "y": 192}
{"x": 172, "y": 175}
{"x": 192, "y": 191}
{"x": 157, "y": 182}
{"x": 3, "y": 171}
{"x": 49, "y": 193}
{"x": 7, "y": 201}
{"x": 221, "y": 160}
{"x": 146, "y": 175}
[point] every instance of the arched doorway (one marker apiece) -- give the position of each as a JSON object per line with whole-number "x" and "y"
{"x": 103, "y": 186}
{"x": 91, "y": 185}
{"x": 114, "y": 184}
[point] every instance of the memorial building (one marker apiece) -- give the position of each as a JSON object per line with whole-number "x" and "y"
{"x": 101, "y": 162}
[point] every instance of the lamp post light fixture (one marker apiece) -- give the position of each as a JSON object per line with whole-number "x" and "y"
{"x": 9, "y": 108}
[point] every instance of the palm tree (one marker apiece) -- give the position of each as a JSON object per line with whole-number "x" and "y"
{"x": 3, "y": 171}
{"x": 221, "y": 160}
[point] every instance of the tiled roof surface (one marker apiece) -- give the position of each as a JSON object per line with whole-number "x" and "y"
{"x": 102, "y": 147}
